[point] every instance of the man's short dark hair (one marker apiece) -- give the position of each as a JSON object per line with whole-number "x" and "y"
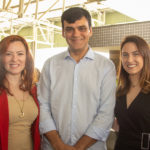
{"x": 75, "y": 13}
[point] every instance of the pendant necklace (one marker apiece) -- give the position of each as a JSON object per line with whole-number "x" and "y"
{"x": 21, "y": 107}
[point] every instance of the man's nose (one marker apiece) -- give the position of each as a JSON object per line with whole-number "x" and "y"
{"x": 76, "y": 32}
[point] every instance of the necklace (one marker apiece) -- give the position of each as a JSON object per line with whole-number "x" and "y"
{"x": 21, "y": 107}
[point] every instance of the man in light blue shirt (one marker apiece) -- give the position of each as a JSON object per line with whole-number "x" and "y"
{"x": 76, "y": 91}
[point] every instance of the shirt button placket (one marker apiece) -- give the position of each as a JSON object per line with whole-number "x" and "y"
{"x": 74, "y": 109}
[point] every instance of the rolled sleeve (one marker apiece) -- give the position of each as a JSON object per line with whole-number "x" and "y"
{"x": 102, "y": 123}
{"x": 46, "y": 126}
{"x": 97, "y": 133}
{"x": 43, "y": 89}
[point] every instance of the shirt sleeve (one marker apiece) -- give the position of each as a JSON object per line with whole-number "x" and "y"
{"x": 102, "y": 123}
{"x": 43, "y": 89}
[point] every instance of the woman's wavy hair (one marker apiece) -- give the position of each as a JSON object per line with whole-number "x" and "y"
{"x": 123, "y": 77}
{"x": 26, "y": 74}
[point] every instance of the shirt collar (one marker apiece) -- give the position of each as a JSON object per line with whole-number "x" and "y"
{"x": 88, "y": 55}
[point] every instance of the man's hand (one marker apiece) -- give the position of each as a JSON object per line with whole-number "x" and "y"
{"x": 84, "y": 143}
{"x": 56, "y": 142}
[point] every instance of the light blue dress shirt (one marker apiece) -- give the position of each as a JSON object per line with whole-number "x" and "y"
{"x": 77, "y": 99}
